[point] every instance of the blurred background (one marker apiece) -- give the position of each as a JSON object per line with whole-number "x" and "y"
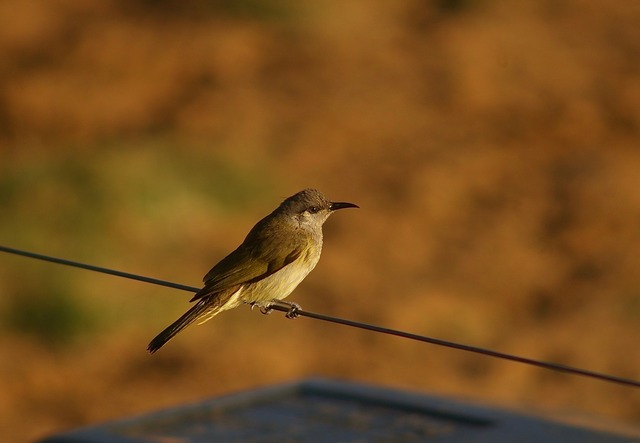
{"x": 493, "y": 146}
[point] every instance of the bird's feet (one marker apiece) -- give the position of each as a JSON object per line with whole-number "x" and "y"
{"x": 264, "y": 309}
{"x": 292, "y": 308}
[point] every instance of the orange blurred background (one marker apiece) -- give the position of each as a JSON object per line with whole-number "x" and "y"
{"x": 493, "y": 147}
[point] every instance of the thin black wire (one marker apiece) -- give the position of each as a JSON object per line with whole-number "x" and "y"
{"x": 62, "y": 261}
{"x": 355, "y": 324}
{"x": 468, "y": 348}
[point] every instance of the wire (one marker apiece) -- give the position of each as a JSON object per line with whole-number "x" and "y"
{"x": 62, "y": 261}
{"x": 468, "y": 348}
{"x": 284, "y": 307}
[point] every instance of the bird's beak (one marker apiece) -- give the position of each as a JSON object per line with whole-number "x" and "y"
{"x": 334, "y": 206}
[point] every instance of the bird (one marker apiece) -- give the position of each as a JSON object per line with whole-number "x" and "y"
{"x": 276, "y": 255}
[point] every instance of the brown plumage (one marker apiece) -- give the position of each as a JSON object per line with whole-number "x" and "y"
{"x": 277, "y": 254}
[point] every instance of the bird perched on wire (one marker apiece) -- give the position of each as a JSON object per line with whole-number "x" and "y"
{"x": 277, "y": 254}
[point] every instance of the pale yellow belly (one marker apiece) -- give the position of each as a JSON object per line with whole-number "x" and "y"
{"x": 282, "y": 283}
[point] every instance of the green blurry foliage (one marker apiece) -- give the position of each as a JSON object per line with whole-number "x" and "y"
{"x": 76, "y": 192}
{"x": 50, "y": 314}
{"x": 129, "y": 206}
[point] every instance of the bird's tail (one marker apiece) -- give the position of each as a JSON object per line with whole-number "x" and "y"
{"x": 201, "y": 309}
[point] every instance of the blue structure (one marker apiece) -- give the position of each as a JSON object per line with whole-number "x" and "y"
{"x": 325, "y": 411}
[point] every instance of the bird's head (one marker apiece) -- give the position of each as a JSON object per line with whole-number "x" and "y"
{"x": 311, "y": 208}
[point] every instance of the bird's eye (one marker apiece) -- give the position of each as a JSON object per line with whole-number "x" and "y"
{"x": 313, "y": 209}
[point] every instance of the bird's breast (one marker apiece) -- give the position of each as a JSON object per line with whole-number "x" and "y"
{"x": 281, "y": 283}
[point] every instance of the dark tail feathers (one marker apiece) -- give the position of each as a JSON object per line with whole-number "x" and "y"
{"x": 189, "y": 317}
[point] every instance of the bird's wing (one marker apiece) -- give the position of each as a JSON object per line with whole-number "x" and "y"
{"x": 246, "y": 265}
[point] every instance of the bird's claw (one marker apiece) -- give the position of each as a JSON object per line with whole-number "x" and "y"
{"x": 291, "y": 313}
{"x": 264, "y": 309}
{"x": 293, "y": 309}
